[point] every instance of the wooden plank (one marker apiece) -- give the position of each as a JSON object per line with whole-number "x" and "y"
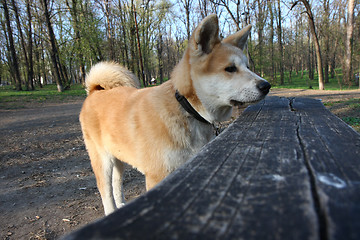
{"x": 273, "y": 174}
{"x": 332, "y": 155}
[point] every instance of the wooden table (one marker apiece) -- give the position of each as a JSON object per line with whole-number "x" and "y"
{"x": 285, "y": 169}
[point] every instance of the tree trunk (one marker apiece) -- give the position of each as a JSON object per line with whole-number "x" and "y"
{"x": 169, "y": 62}
{"x": 134, "y": 65}
{"x": 21, "y": 36}
{"x": 124, "y": 37}
{"x": 187, "y": 9}
{"x": 53, "y": 48}
{"x": 270, "y": 7}
{"x": 37, "y": 73}
{"x": 14, "y": 58}
{"x": 139, "y": 48}
{"x": 110, "y": 45}
{"x": 348, "y": 43}
{"x": 261, "y": 19}
{"x": 186, "y": 4}
{"x": 160, "y": 57}
{"x": 281, "y": 51}
{"x": 318, "y": 56}
{"x": 310, "y": 65}
{"x": 75, "y": 22}
{"x": 203, "y": 5}
{"x": 333, "y": 59}
{"x": 146, "y": 41}
{"x": 316, "y": 41}
{"x": 30, "y": 47}
{"x": 327, "y": 33}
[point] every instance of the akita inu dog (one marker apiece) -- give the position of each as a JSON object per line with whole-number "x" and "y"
{"x": 158, "y": 129}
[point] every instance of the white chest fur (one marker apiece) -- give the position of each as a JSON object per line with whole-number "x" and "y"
{"x": 193, "y": 140}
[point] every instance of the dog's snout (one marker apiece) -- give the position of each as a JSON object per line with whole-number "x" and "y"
{"x": 264, "y": 87}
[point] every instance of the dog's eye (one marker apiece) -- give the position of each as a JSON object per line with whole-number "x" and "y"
{"x": 231, "y": 69}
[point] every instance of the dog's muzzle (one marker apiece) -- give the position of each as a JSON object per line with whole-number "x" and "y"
{"x": 264, "y": 87}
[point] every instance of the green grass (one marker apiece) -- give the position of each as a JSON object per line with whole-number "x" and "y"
{"x": 353, "y": 103}
{"x": 10, "y": 98}
{"x": 352, "y": 121}
{"x": 350, "y": 113}
{"x": 303, "y": 82}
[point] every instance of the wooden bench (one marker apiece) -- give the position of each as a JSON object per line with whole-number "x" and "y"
{"x": 285, "y": 169}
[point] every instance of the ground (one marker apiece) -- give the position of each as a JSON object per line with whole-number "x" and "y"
{"x": 47, "y": 187}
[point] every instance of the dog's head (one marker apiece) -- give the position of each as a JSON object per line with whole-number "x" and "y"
{"x": 219, "y": 73}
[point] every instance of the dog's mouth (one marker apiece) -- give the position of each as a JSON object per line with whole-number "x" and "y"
{"x": 250, "y": 97}
{"x": 236, "y": 103}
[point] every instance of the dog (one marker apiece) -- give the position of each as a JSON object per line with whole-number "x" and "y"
{"x": 158, "y": 129}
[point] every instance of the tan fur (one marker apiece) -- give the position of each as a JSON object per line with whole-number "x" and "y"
{"x": 147, "y": 128}
{"x": 107, "y": 75}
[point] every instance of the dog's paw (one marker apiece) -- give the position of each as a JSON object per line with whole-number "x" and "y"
{"x": 121, "y": 205}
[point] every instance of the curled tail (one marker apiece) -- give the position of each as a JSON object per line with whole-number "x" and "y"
{"x": 108, "y": 75}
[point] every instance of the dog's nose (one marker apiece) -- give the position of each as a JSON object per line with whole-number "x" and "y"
{"x": 264, "y": 87}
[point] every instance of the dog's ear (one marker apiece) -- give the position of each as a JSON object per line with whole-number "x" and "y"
{"x": 206, "y": 35}
{"x": 239, "y": 39}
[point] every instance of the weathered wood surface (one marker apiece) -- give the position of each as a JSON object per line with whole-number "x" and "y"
{"x": 286, "y": 169}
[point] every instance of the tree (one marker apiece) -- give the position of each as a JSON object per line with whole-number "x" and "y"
{"x": 316, "y": 40}
{"x": 326, "y": 35}
{"x": 203, "y": 7}
{"x": 142, "y": 74}
{"x": 271, "y": 39}
{"x": 280, "y": 42}
{"x": 14, "y": 65}
{"x": 347, "y": 70}
{"x": 261, "y": 16}
{"x": 124, "y": 43}
{"x": 27, "y": 48}
{"x": 234, "y": 15}
{"x": 310, "y": 57}
{"x": 186, "y": 4}
{"x": 109, "y": 28}
{"x": 162, "y": 8}
{"x": 160, "y": 56}
{"x": 30, "y": 66}
{"x": 73, "y": 9}
{"x": 54, "y": 53}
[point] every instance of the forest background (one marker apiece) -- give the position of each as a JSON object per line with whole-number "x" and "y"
{"x": 57, "y": 41}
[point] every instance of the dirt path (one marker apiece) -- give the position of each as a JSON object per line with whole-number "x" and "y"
{"x": 47, "y": 187}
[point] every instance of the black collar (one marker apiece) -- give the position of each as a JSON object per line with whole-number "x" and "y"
{"x": 187, "y": 107}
